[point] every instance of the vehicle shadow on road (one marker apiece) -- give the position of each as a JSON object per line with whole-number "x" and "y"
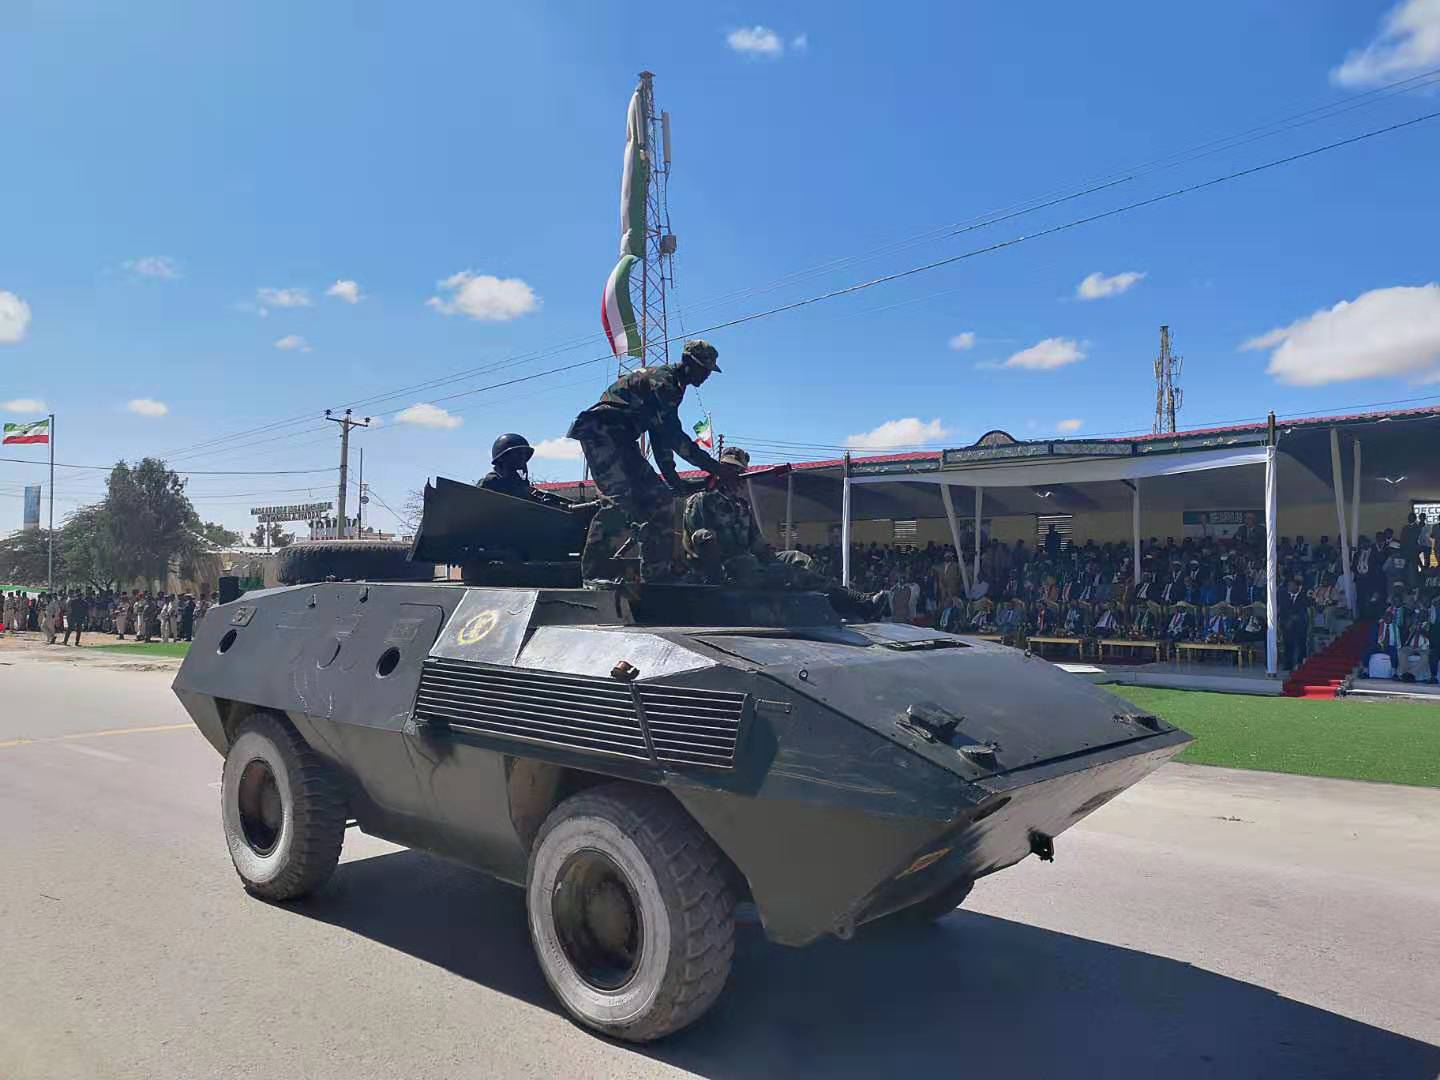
{"x": 975, "y": 993}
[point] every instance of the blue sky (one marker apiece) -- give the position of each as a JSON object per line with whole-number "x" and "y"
{"x": 164, "y": 164}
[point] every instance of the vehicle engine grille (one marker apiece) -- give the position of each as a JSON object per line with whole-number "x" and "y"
{"x": 577, "y": 712}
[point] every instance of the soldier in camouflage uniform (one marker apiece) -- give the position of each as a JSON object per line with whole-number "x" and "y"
{"x": 726, "y": 547}
{"x": 644, "y": 402}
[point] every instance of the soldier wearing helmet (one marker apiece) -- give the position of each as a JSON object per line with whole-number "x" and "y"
{"x": 510, "y": 475}
{"x": 643, "y": 403}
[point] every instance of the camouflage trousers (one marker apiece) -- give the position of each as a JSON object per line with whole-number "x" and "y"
{"x": 633, "y": 499}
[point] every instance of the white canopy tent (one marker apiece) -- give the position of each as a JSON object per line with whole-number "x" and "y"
{"x": 1052, "y": 471}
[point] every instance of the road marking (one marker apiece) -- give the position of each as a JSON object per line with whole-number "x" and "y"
{"x": 95, "y": 734}
{"x": 90, "y": 751}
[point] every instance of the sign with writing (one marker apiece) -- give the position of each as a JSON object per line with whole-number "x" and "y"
{"x": 295, "y": 512}
{"x": 1218, "y": 524}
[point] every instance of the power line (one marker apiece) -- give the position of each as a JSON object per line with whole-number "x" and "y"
{"x": 1054, "y": 197}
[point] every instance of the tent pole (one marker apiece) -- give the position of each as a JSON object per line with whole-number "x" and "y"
{"x": 1135, "y": 525}
{"x": 789, "y": 508}
{"x": 1271, "y": 557}
{"x": 948, "y": 500}
{"x": 845, "y": 526}
{"x": 1355, "y": 504}
{"x": 1337, "y": 481}
{"x": 979, "y": 501}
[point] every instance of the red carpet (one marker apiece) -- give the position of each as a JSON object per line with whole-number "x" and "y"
{"x": 1322, "y": 674}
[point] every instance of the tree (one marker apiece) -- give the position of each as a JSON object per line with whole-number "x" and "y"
{"x": 279, "y": 538}
{"x": 88, "y": 543}
{"x": 151, "y": 521}
{"x": 24, "y": 558}
{"x": 217, "y": 535}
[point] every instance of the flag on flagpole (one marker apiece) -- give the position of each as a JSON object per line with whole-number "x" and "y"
{"x": 704, "y": 434}
{"x": 37, "y": 431}
{"x": 634, "y": 179}
{"x": 618, "y": 313}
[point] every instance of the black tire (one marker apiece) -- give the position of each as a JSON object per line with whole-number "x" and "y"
{"x": 627, "y": 858}
{"x": 283, "y": 810}
{"x": 930, "y": 910}
{"x": 350, "y": 560}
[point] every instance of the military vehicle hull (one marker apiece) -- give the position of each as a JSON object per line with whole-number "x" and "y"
{"x": 846, "y": 772}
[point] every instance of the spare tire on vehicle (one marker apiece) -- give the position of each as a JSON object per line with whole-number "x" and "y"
{"x": 350, "y": 560}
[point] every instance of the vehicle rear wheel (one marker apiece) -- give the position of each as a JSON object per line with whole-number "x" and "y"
{"x": 283, "y": 810}
{"x": 630, "y": 912}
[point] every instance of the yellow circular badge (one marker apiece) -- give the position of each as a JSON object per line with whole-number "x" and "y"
{"x": 476, "y": 627}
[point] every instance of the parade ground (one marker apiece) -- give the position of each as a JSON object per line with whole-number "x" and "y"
{"x": 1209, "y": 922}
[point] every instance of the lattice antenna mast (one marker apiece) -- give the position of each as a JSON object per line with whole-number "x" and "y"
{"x": 1168, "y": 395}
{"x": 659, "y": 261}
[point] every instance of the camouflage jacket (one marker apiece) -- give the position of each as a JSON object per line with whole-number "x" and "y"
{"x": 725, "y": 519}
{"x": 646, "y": 401}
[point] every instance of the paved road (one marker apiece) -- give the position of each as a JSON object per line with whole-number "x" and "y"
{"x": 1207, "y": 924}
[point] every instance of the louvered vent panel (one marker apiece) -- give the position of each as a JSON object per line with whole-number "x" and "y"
{"x": 693, "y": 727}
{"x": 571, "y": 711}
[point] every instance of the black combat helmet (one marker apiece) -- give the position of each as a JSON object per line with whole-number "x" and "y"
{"x": 512, "y": 450}
{"x": 702, "y": 353}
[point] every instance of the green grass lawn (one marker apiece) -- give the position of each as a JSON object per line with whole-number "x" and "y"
{"x": 1396, "y": 742}
{"x": 154, "y": 648}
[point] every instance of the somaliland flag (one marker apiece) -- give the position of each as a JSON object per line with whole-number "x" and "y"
{"x": 37, "y": 431}
{"x": 703, "y": 435}
{"x": 617, "y": 313}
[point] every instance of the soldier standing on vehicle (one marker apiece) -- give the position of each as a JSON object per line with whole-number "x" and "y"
{"x": 510, "y": 475}
{"x": 643, "y": 402}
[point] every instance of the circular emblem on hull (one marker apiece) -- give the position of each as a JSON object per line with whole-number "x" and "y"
{"x": 476, "y": 627}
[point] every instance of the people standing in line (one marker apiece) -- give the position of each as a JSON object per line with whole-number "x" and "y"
{"x": 77, "y": 615}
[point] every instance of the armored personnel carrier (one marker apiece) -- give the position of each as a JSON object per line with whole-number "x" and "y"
{"x": 641, "y": 759}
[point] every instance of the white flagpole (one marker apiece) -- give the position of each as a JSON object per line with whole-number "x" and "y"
{"x": 50, "y": 540}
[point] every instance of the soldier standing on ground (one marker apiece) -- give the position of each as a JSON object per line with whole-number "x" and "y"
{"x": 643, "y": 402}
{"x": 510, "y": 475}
{"x": 76, "y": 616}
{"x": 52, "y": 617}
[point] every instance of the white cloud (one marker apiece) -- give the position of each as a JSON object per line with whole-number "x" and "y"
{"x": 1048, "y": 354}
{"x": 14, "y": 318}
{"x": 800, "y": 42}
{"x": 756, "y": 41}
{"x": 24, "y": 405}
{"x": 892, "y": 434}
{"x": 293, "y": 341}
{"x": 1407, "y": 44}
{"x": 1069, "y": 427}
{"x": 962, "y": 341}
{"x": 282, "y": 298}
{"x": 1384, "y": 332}
{"x": 144, "y": 406}
{"x": 346, "y": 290}
{"x": 154, "y": 266}
{"x": 1097, "y": 286}
{"x": 485, "y": 297}
{"x": 423, "y": 414}
{"x": 559, "y": 450}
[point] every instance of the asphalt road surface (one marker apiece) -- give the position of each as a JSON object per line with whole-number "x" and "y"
{"x": 1207, "y": 924}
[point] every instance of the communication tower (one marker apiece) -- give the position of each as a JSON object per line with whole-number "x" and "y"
{"x": 659, "y": 259}
{"x": 1168, "y": 395}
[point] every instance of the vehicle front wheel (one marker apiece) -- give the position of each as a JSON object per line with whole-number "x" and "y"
{"x": 283, "y": 810}
{"x": 630, "y": 912}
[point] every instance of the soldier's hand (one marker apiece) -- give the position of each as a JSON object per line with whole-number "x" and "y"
{"x": 728, "y": 470}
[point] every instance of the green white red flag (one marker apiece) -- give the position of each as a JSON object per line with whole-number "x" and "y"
{"x": 617, "y": 312}
{"x": 37, "y": 431}
{"x": 704, "y": 434}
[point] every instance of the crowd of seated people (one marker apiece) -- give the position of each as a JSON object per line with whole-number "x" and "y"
{"x": 1204, "y": 590}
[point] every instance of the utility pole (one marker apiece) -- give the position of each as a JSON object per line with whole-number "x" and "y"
{"x": 1168, "y": 396}
{"x": 360, "y": 486}
{"x": 346, "y": 423}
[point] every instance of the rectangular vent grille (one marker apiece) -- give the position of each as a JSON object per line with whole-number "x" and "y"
{"x": 693, "y": 727}
{"x": 578, "y": 712}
